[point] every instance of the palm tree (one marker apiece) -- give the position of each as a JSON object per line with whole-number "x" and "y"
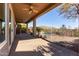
{"x": 70, "y": 11}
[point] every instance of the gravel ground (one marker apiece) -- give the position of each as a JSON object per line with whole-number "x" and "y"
{"x": 57, "y": 38}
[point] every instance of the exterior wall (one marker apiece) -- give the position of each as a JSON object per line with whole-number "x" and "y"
{"x": 4, "y": 46}
{"x": 12, "y": 24}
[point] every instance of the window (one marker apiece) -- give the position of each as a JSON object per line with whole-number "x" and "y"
{"x": 2, "y": 23}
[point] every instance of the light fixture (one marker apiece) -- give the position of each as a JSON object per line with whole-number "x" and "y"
{"x": 31, "y": 10}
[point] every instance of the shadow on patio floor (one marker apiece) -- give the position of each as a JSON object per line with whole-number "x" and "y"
{"x": 21, "y": 37}
{"x": 74, "y": 46}
{"x": 47, "y": 47}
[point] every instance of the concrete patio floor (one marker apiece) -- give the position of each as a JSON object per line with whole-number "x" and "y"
{"x": 27, "y": 45}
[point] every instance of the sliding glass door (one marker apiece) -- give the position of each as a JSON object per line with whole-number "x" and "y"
{"x": 2, "y": 23}
{"x": 9, "y": 27}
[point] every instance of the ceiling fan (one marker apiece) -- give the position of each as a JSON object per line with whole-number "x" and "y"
{"x": 31, "y": 9}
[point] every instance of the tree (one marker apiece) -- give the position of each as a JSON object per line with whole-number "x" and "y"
{"x": 39, "y": 29}
{"x": 63, "y": 29}
{"x": 70, "y": 11}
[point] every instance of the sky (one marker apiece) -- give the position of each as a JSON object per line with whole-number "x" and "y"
{"x": 53, "y": 19}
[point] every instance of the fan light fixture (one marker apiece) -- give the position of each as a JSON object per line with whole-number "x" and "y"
{"x": 31, "y": 10}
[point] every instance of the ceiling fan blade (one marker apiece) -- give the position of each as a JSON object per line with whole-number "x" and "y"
{"x": 35, "y": 11}
{"x": 26, "y": 9}
{"x": 30, "y": 12}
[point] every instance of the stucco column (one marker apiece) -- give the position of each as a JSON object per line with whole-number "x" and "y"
{"x": 27, "y": 27}
{"x": 34, "y": 27}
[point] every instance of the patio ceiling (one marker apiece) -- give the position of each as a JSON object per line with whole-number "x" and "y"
{"x": 25, "y": 12}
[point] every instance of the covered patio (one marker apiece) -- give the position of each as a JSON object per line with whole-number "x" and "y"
{"x": 25, "y": 44}
{"x": 29, "y": 43}
{"x": 25, "y": 13}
